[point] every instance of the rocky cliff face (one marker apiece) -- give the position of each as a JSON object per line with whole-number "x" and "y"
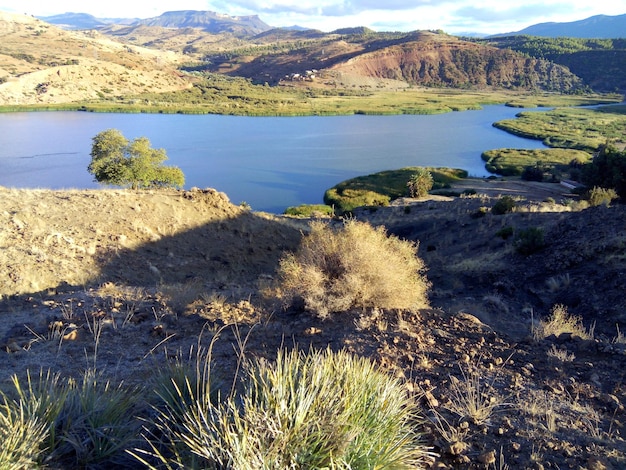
{"x": 456, "y": 63}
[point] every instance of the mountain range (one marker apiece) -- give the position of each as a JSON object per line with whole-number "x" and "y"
{"x": 599, "y": 26}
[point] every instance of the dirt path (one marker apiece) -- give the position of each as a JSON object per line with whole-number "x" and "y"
{"x": 530, "y": 190}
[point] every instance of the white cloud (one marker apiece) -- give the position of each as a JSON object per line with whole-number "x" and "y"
{"x": 453, "y": 16}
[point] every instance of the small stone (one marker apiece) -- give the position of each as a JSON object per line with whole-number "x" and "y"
{"x": 71, "y": 336}
{"x": 487, "y": 458}
{"x": 12, "y": 346}
{"x": 431, "y": 400}
{"x": 598, "y": 463}
{"x": 457, "y": 448}
{"x": 516, "y": 446}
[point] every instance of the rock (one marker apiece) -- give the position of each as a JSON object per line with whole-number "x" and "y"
{"x": 487, "y": 458}
{"x": 598, "y": 463}
{"x": 456, "y": 448}
{"x": 431, "y": 401}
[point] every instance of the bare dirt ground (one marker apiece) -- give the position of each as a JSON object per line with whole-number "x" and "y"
{"x": 121, "y": 280}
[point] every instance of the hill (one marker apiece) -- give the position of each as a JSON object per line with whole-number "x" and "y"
{"x": 41, "y": 63}
{"x": 418, "y": 58}
{"x": 209, "y": 21}
{"x": 600, "y": 63}
{"x": 599, "y": 26}
{"x": 123, "y": 281}
{"x": 75, "y": 21}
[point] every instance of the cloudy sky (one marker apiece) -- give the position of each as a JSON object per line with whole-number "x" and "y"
{"x": 452, "y": 16}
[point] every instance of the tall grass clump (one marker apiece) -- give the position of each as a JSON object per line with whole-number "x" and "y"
{"x": 302, "y": 411}
{"x": 356, "y": 265}
{"x": 67, "y": 423}
{"x": 22, "y": 436}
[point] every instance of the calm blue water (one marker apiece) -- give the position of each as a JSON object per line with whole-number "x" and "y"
{"x": 269, "y": 162}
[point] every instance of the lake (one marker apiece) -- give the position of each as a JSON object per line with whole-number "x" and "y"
{"x": 269, "y": 162}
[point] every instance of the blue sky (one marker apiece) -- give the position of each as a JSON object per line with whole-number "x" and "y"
{"x": 452, "y": 16}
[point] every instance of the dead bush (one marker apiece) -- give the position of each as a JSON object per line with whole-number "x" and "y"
{"x": 354, "y": 266}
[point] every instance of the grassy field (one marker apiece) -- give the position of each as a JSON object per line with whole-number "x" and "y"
{"x": 511, "y": 162}
{"x": 379, "y": 189}
{"x": 217, "y": 94}
{"x": 573, "y": 128}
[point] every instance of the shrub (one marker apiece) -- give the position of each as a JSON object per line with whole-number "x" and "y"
{"x": 319, "y": 410}
{"x": 70, "y": 424}
{"x": 601, "y": 196}
{"x": 420, "y": 183}
{"x": 505, "y": 232}
{"x": 22, "y": 435}
{"x": 504, "y": 205}
{"x": 479, "y": 213}
{"x": 529, "y": 241}
{"x": 355, "y": 266}
{"x": 533, "y": 173}
{"x": 560, "y": 322}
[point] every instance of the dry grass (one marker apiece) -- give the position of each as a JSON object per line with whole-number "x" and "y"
{"x": 355, "y": 266}
{"x": 560, "y": 354}
{"x": 561, "y": 322}
{"x": 473, "y": 397}
{"x": 129, "y": 238}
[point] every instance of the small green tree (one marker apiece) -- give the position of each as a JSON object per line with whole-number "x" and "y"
{"x": 420, "y": 183}
{"x": 118, "y": 162}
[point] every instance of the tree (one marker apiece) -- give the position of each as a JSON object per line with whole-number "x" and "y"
{"x": 607, "y": 170}
{"x": 118, "y": 162}
{"x": 420, "y": 183}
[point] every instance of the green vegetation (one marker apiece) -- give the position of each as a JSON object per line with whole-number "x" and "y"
{"x": 601, "y": 63}
{"x": 513, "y": 162}
{"x": 420, "y": 183}
{"x": 548, "y": 48}
{"x": 600, "y": 196}
{"x": 529, "y": 241}
{"x": 220, "y": 94}
{"x": 505, "y": 232}
{"x": 73, "y": 424}
{"x": 310, "y": 210}
{"x": 583, "y": 129}
{"x": 357, "y": 266}
{"x": 607, "y": 170}
{"x": 118, "y": 162}
{"x": 504, "y": 205}
{"x": 316, "y": 410}
{"x": 380, "y": 188}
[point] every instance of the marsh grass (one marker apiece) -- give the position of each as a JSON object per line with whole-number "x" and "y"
{"x": 512, "y": 162}
{"x": 572, "y": 128}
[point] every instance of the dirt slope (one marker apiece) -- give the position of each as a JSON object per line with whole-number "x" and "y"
{"x": 40, "y": 63}
{"x": 119, "y": 280}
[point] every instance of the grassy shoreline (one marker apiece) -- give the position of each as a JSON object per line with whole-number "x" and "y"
{"x": 238, "y": 97}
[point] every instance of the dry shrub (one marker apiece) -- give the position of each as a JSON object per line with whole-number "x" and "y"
{"x": 561, "y": 322}
{"x": 355, "y": 266}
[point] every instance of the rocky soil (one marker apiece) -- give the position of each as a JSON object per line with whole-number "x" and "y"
{"x": 119, "y": 280}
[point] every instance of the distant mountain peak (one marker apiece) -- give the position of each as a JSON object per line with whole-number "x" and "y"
{"x": 597, "y": 27}
{"x": 209, "y": 21}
